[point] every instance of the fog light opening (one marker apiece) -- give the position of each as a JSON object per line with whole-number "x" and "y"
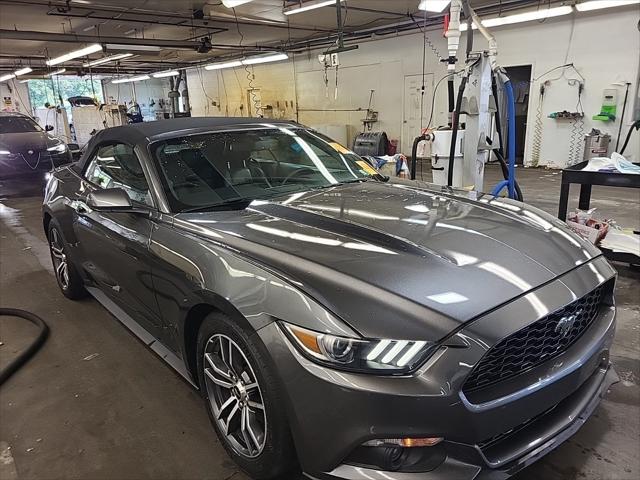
{"x": 403, "y": 454}
{"x": 393, "y": 458}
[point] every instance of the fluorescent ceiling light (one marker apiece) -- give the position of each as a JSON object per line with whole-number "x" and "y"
{"x": 171, "y": 73}
{"x": 433, "y": 5}
{"x": 598, "y": 4}
{"x": 7, "y": 77}
{"x": 234, "y": 3}
{"x": 219, "y": 66}
{"x": 131, "y": 79}
{"x": 23, "y": 71}
{"x": 83, "y": 52}
{"x": 269, "y": 58}
{"x": 111, "y": 58}
{"x": 57, "y": 72}
{"x": 248, "y": 61}
{"x": 523, "y": 17}
{"x": 306, "y": 6}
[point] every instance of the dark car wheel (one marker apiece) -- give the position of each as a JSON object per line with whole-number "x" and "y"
{"x": 242, "y": 398}
{"x": 67, "y": 276}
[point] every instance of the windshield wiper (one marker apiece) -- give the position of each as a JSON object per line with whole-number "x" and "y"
{"x": 355, "y": 180}
{"x": 233, "y": 204}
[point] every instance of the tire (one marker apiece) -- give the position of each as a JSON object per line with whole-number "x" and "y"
{"x": 276, "y": 457}
{"x": 67, "y": 276}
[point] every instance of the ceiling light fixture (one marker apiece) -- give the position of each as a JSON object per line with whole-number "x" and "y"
{"x": 234, "y": 3}
{"x": 220, "y": 66}
{"x": 111, "y": 58}
{"x": 275, "y": 57}
{"x": 523, "y": 17}
{"x": 57, "y": 72}
{"x": 23, "y": 71}
{"x": 433, "y": 5}
{"x": 266, "y": 59}
{"x": 96, "y": 47}
{"x": 7, "y": 77}
{"x": 306, "y": 6}
{"x": 599, "y": 4}
{"x": 131, "y": 79}
{"x": 171, "y": 73}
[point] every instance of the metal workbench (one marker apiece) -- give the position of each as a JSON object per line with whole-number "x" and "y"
{"x": 575, "y": 174}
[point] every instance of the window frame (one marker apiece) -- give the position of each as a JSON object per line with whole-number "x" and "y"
{"x": 106, "y": 143}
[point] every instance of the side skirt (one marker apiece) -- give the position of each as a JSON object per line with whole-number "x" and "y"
{"x": 139, "y": 331}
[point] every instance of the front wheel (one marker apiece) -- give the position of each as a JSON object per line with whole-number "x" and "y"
{"x": 243, "y": 400}
{"x": 67, "y": 276}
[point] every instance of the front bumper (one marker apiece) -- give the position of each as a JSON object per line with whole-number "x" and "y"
{"x": 492, "y": 434}
{"x": 22, "y": 165}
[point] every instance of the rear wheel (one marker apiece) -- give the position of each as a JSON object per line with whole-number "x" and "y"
{"x": 242, "y": 398}
{"x": 67, "y": 276}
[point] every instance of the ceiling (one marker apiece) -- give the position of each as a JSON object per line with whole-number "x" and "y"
{"x": 180, "y": 26}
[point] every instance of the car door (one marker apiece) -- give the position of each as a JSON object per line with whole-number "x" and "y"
{"x": 114, "y": 246}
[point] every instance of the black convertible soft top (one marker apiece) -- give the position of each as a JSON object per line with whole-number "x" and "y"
{"x": 160, "y": 128}
{"x": 147, "y": 132}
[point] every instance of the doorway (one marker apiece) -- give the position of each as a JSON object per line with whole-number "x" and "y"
{"x": 412, "y": 119}
{"x": 520, "y": 77}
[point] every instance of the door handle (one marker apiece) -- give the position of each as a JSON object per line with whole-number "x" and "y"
{"x": 80, "y": 207}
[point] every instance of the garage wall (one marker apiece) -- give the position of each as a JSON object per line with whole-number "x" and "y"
{"x": 145, "y": 92}
{"x": 14, "y": 97}
{"x": 383, "y": 64}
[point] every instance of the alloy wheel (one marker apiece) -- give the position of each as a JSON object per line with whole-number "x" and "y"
{"x": 60, "y": 262}
{"x": 235, "y": 396}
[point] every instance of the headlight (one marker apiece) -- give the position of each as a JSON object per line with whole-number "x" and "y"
{"x": 379, "y": 356}
{"x": 61, "y": 147}
{"x": 4, "y": 152}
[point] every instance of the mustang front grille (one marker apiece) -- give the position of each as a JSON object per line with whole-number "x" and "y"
{"x": 536, "y": 343}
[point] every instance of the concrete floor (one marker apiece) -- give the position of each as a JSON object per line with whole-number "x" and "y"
{"x": 96, "y": 403}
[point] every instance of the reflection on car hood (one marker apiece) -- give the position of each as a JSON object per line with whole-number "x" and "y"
{"x": 24, "y": 141}
{"x": 401, "y": 261}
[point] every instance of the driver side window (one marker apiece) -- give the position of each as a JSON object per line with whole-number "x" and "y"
{"x": 117, "y": 166}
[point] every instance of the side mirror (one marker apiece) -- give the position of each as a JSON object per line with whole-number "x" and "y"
{"x": 112, "y": 200}
{"x": 48, "y": 128}
{"x": 74, "y": 148}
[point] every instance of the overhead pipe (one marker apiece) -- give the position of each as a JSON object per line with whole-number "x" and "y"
{"x": 29, "y": 35}
{"x": 491, "y": 40}
{"x": 188, "y": 20}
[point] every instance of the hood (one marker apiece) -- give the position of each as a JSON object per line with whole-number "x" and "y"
{"x": 399, "y": 261}
{"x": 24, "y": 141}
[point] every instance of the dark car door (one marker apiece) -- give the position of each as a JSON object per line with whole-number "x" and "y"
{"x": 114, "y": 246}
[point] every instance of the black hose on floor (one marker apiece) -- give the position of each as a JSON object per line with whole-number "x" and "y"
{"x": 31, "y": 350}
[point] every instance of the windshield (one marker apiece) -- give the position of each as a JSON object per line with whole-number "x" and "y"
{"x": 17, "y": 124}
{"x": 214, "y": 169}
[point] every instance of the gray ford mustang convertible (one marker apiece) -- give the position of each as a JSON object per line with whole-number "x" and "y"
{"x": 334, "y": 320}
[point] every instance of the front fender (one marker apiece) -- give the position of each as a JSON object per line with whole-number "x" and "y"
{"x": 192, "y": 273}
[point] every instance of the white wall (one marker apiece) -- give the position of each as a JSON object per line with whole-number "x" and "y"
{"x": 603, "y": 45}
{"x": 145, "y": 92}
{"x": 17, "y": 96}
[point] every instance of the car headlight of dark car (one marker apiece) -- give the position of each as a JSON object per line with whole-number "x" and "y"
{"x": 59, "y": 148}
{"x": 376, "y": 356}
